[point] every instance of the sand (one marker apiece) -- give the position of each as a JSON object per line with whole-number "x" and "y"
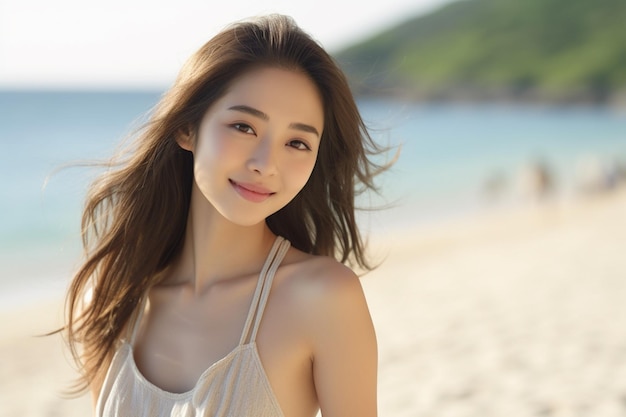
{"x": 521, "y": 313}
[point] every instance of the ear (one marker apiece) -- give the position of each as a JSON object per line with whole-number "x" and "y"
{"x": 185, "y": 139}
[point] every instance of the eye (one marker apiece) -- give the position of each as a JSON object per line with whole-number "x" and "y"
{"x": 298, "y": 144}
{"x": 243, "y": 128}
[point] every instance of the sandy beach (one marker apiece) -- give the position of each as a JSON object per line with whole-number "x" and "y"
{"x": 519, "y": 313}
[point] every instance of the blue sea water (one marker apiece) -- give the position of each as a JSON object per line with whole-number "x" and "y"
{"x": 447, "y": 154}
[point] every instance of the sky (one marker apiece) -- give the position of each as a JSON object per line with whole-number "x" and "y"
{"x": 82, "y": 44}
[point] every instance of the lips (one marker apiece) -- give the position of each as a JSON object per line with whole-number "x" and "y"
{"x": 251, "y": 192}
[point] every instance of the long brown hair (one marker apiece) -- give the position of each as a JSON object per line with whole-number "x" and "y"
{"x": 135, "y": 214}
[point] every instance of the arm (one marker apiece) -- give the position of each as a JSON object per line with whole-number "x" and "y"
{"x": 345, "y": 356}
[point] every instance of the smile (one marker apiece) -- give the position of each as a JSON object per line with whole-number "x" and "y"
{"x": 251, "y": 192}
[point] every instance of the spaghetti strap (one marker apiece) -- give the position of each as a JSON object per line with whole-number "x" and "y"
{"x": 267, "y": 285}
{"x": 274, "y": 258}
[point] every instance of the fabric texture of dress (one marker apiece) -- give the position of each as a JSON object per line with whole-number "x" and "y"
{"x": 236, "y": 385}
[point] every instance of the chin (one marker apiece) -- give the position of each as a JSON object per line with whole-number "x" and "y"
{"x": 245, "y": 219}
{"x": 250, "y": 215}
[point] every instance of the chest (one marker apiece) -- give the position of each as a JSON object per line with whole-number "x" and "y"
{"x": 180, "y": 336}
{"x": 182, "y": 346}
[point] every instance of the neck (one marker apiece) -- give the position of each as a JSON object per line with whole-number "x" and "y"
{"x": 216, "y": 249}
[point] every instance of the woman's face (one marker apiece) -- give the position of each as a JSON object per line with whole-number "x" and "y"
{"x": 257, "y": 145}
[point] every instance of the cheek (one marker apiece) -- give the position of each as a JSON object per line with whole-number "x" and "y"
{"x": 300, "y": 173}
{"x": 212, "y": 150}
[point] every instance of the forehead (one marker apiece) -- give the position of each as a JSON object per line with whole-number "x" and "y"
{"x": 280, "y": 93}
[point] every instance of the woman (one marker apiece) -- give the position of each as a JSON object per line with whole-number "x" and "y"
{"x": 214, "y": 282}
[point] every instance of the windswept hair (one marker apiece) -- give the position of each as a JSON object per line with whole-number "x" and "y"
{"x": 135, "y": 214}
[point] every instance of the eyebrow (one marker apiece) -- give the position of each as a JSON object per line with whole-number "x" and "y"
{"x": 263, "y": 116}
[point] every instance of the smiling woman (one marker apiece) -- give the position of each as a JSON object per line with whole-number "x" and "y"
{"x": 214, "y": 282}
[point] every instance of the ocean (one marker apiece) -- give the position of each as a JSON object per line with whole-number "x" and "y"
{"x": 453, "y": 159}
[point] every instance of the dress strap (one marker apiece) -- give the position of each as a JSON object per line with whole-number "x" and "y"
{"x": 264, "y": 283}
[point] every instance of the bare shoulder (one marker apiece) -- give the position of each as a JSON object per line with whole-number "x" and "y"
{"x": 320, "y": 278}
{"x": 323, "y": 293}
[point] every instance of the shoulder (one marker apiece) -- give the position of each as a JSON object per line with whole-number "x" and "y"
{"x": 330, "y": 311}
{"x": 324, "y": 294}
{"x": 316, "y": 279}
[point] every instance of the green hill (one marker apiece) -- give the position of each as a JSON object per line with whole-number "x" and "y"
{"x": 563, "y": 50}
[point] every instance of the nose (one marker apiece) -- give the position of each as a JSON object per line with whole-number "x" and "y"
{"x": 262, "y": 160}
